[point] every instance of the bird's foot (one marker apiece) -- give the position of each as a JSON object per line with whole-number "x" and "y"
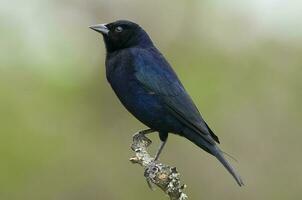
{"x": 147, "y": 131}
{"x": 144, "y": 132}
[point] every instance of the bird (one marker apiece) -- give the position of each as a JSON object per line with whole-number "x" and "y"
{"x": 151, "y": 91}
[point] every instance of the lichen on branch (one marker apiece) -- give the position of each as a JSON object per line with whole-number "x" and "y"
{"x": 161, "y": 175}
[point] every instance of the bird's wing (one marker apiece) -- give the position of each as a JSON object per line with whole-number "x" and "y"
{"x": 156, "y": 75}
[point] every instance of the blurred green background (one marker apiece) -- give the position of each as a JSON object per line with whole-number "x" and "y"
{"x": 65, "y": 136}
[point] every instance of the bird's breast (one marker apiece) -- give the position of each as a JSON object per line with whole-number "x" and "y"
{"x": 145, "y": 105}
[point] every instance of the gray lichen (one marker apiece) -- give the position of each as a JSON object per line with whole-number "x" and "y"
{"x": 164, "y": 176}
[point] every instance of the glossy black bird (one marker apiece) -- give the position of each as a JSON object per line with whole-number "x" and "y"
{"x": 148, "y": 87}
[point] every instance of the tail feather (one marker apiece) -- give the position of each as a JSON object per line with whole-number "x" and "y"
{"x": 219, "y": 155}
{"x": 215, "y": 151}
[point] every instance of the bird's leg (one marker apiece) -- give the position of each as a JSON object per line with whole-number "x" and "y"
{"x": 163, "y": 136}
{"x": 161, "y": 146}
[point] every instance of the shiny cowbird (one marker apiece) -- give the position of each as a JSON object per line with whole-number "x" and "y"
{"x": 148, "y": 87}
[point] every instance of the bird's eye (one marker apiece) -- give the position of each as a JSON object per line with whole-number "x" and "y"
{"x": 118, "y": 29}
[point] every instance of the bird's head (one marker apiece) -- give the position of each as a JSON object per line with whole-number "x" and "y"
{"x": 122, "y": 34}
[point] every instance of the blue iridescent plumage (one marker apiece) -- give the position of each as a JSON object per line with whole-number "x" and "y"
{"x": 148, "y": 87}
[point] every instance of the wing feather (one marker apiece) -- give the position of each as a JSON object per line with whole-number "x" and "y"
{"x": 156, "y": 75}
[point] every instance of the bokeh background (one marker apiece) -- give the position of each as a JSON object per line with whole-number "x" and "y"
{"x": 65, "y": 136}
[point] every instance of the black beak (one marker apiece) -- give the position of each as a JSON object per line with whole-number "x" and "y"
{"x": 101, "y": 28}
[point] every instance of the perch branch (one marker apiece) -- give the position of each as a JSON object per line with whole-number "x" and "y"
{"x": 164, "y": 176}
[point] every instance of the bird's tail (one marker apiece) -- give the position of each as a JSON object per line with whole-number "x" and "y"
{"x": 219, "y": 155}
{"x": 215, "y": 151}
